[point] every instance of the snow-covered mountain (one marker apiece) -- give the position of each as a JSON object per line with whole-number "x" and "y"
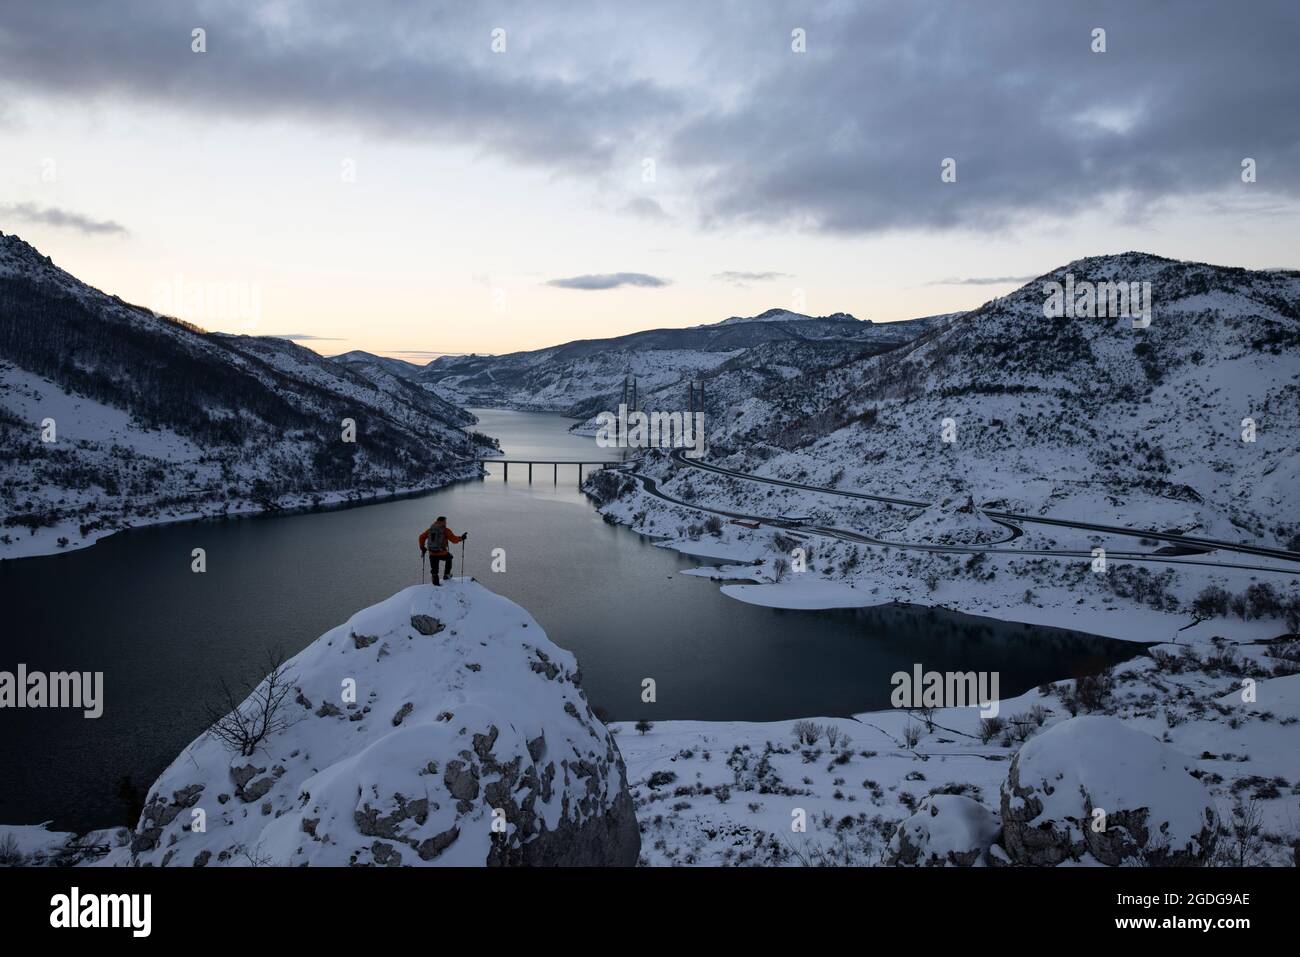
{"x": 1191, "y": 423}
{"x": 1035, "y": 467}
{"x": 786, "y": 315}
{"x": 112, "y": 416}
{"x": 366, "y": 362}
{"x": 585, "y": 377}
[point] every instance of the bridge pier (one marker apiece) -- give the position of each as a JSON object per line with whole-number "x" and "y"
{"x": 555, "y": 468}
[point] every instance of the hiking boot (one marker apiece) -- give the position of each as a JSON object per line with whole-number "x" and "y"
{"x": 436, "y": 582}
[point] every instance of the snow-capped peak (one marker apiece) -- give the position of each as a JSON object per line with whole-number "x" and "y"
{"x": 786, "y": 315}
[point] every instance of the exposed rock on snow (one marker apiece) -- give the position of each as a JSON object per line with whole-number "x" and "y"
{"x": 469, "y": 741}
{"x": 955, "y": 520}
{"x": 947, "y": 830}
{"x": 1154, "y": 811}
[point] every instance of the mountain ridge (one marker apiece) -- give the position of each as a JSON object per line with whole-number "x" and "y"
{"x": 113, "y": 415}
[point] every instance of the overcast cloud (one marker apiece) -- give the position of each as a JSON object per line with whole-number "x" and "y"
{"x": 62, "y": 218}
{"x": 845, "y": 138}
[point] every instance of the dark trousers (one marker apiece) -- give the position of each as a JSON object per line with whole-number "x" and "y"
{"x": 445, "y": 559}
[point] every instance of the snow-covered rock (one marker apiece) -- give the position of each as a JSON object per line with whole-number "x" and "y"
{"x": 1093, "y": 785}
{"x": 955, "y": 520}
{"x": 467, "y": 743}
{"x": 786, "y": 315}
{"x": 947, "y": 830}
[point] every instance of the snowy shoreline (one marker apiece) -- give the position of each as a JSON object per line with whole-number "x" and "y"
{"x": 45, "y": 541}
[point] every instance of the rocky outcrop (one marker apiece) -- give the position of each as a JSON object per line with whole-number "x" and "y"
{"x": 447, "y": 729}
{"x": 947, "y": 830}
{"x": 1094, "y": 786}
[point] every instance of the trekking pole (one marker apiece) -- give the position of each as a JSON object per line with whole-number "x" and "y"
{"x": 462, "y": 558}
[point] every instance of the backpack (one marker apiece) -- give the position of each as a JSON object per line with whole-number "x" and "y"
{"x": 437, "y": 538}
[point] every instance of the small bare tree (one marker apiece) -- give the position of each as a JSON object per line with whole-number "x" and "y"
{"x": 255, "y": 857}
{"x": 779, "y": 567}
{"x": 242, "y": 726}
{"x": 927, "y": 715}
{"x": 1241, "y": 835}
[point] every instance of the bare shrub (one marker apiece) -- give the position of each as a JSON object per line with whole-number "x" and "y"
{"x": 244, "y": 726}
{"x": 783, "y": 542}
{"x": 807, "y": 732}
{"x": 10, "y": 855}
{"x": 990, "y": 728}
{"x": 1212, "y": 601}
{"x": 1091, "y": 692}
{"x": 1241, "y": 835}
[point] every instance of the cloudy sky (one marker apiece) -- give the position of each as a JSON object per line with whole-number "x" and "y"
{"x": 493, "y": 176}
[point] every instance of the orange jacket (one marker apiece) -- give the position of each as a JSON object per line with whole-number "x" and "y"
{"x": 451, "y": 537}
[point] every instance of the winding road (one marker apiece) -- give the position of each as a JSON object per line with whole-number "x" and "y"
{"x": 1009, "y": 520}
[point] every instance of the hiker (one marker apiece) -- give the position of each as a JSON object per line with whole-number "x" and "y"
{"x": 434, "y": 540}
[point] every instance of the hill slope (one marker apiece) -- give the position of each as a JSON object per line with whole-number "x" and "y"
{"x": 585, "y": 377}
{"x": 114, "y": 416}
{"x": 1085, "y": 417}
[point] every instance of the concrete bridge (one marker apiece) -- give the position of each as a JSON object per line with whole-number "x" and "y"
{"x": 554, "y": 463}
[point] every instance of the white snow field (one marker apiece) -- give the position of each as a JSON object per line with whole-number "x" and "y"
{"x": 718, "y": 793}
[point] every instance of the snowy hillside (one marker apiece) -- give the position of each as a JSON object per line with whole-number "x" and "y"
{"x": 1081, "y": 451}
{"x": 468, "y": 741}
{"x": 366, "y": 362}
{"x": 1079, "y": 417}
{"x": 114, "y": 416}
{"x": 586, "y": 377}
